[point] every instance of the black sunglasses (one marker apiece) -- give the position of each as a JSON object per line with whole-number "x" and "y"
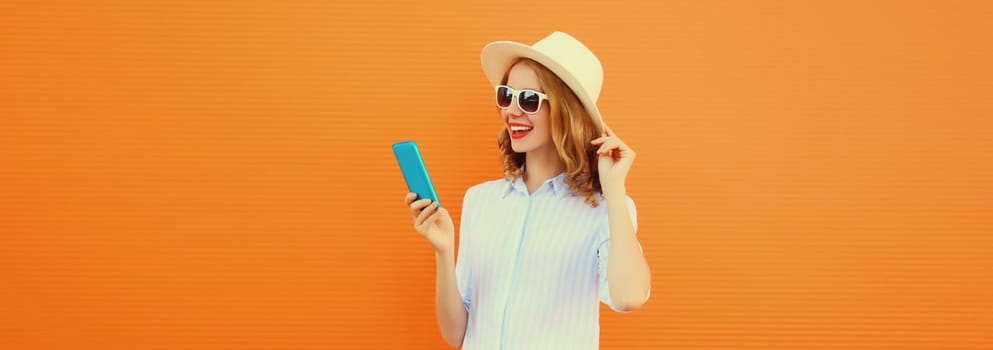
{"x": 528, "y": 100}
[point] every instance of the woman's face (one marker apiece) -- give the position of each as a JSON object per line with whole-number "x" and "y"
{"x": 522, "y": 77}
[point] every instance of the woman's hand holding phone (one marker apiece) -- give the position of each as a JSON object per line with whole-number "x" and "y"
{"x": 434, "y": 224}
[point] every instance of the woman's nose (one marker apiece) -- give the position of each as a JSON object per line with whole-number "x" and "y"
{"x": 514, "y": 109}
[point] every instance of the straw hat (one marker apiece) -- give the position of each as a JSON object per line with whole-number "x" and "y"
{"x": 565, "y": 56}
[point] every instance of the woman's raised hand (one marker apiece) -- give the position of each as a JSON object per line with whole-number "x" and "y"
{"x": 614, "y": 162}
{"x": 434, "y": 224}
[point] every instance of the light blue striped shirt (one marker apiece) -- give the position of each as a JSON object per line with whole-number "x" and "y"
{"x": 532, "y": 267}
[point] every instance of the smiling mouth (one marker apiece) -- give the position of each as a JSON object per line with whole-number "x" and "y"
{"x": 520, "y": 128}
{"x": 519, "y": 131}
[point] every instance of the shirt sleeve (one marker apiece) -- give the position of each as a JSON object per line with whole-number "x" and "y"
{"x": 603, "y": 255}
{"x": 463, "y": 272}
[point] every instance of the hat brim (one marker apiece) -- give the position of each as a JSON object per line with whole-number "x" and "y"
{"x": 498, "y": 56}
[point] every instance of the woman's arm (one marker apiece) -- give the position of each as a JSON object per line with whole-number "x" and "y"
{"x": 628, "y": 276}
{"x": 627, "y": 271}
{"x": 437, "y": 227}
{"x": 448, "y": 305}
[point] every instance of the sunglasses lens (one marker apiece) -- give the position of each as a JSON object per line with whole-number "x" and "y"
{"x": 529, "y": 101}
{"x": 503, "y": 97}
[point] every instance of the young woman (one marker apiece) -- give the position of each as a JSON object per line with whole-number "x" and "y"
{"x": 541, "y": 246}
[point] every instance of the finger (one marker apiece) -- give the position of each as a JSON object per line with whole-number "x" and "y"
{"x": 604, "y": 151}
{"x": 409, "y": 198}
{"x": 612, "y": 144}
{"x": 614, "y": 137}
{"x": 415, "y": 207}
{"x": 620, "y": 150}
{"x": 425, "y": 213}
{"x": 611, "y": 147}
{"x": 618, "y": 143}
{"x": 607, "y": 145}
{"x": 599, "y": 140}
{"x": 428, "y": 222}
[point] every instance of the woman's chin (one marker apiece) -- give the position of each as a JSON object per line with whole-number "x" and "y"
{"x": 517, "y": 147}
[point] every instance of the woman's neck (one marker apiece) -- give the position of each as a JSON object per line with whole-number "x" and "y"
{"x": 541, "y": 164}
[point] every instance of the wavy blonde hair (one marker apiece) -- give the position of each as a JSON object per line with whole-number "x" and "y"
{"x": 572, "y": 130}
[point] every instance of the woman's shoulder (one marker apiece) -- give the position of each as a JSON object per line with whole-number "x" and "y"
{"x": 487, "y": 188}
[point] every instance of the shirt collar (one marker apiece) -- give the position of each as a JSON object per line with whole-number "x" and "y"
{"x": 558, "y": 186}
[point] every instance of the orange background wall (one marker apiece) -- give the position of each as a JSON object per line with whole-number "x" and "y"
{"x": 178, "y": 174}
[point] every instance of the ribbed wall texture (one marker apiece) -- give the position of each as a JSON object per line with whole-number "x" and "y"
{"x": 218, "y": 174}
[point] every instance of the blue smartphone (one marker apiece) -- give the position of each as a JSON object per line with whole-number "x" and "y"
{"x": 414, "y": 171}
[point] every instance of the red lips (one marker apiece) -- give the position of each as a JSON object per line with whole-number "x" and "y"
{"x": 519, "y": 130}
